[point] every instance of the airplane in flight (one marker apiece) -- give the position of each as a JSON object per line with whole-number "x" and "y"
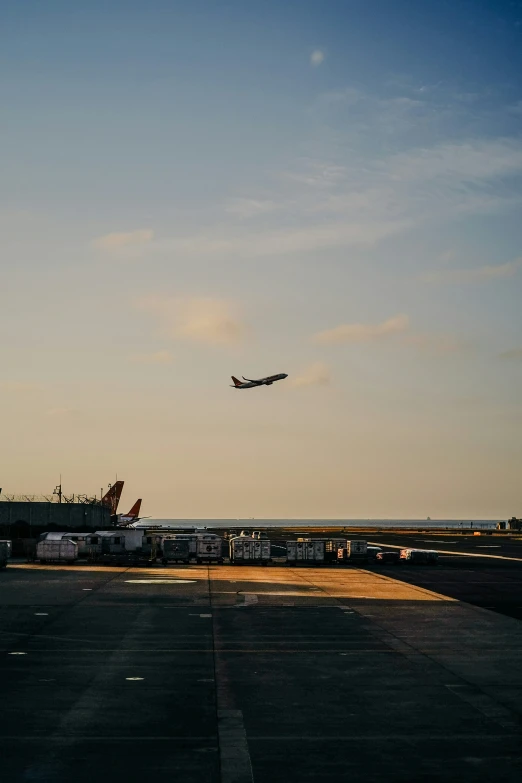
{"x": 249, "y": 384}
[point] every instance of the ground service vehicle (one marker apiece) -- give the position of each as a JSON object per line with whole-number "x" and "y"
{"x": 419, "y": 556}
{"x": 387, "y": 558}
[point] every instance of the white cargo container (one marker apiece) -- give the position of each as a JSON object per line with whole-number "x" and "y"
{"x": 133, "y": 538}
{"x": 249, "y": 550}
{"x": 88, "y": 543}
{"x": 62, "y": 551}
{"x": 305, "y": 551}
{"x": 209, "y": 549}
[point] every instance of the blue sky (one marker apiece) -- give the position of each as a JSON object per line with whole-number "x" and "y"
{"x": 333, "y": 190}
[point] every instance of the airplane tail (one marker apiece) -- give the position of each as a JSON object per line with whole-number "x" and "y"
{"x": 112, "y": 497}
{"x": 135, "y": 510}
{"x": 236, "y": 382}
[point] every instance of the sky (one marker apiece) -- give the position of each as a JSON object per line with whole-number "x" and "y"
{"x": 194, "y": 190}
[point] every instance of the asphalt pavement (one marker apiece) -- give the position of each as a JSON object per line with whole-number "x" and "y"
{"x": 241, "y": 674}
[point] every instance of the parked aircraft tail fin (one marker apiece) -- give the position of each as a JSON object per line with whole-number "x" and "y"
{"x": 135, "y": 510}
{"x": 112, "y": 497}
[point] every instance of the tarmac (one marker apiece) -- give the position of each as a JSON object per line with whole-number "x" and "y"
{"x": 238, "y": 674}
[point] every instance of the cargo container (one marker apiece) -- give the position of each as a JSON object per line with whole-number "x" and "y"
{"x": 357, "y": 548}
{"x": 209, "y": 549}
{"x": 62, "y": 551}
{"x": 335, "y": 550}
{"x": 305, "y": 551}
{"x": 88, "y": 543}
{"x": 4, "y": 553}
{"x": 175, "y": 550}
{"x": 112, "y": 542}
{"x": 133, "y": 538}
{"x": 419, "y": 556}
{"x": 249, "y": 550}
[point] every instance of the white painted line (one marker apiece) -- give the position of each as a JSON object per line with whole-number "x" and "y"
{"x": 17, "y": 653}
{"x": 134, "y": 678}
{"x": 205, "y": 615}
{"x": 447, "y": 552}
{"x": 86, "y": 589}
{"x": 160, "y": 581}
{"x": 41, "y": 614}
{"x": 236, "y": 766}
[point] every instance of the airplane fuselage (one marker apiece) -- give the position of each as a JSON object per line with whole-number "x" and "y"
{"x": 250, "y": 384}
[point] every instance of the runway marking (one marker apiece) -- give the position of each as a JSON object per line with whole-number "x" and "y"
{"x": 406, "y": 738}
{"x": 160, "y": 581}
{"x": 446, "y": 552}
{"x": 236, "y": 766}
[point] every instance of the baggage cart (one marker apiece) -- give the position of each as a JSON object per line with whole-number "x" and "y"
{"x": 249, "y": 551}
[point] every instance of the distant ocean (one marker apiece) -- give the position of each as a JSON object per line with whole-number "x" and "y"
{"x": 474, "y": 524}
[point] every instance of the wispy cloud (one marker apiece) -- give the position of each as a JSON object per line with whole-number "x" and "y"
{"x": 317, "y": 57}
{"x": 475, "y": 274}
{"x": 515, "y": 353}
{"x": 121, "y": 240}
{"x": 317, "y": 374}
{"x": 206, "y": 320}
{"x": 319, "y": 205}
{"x": 361, "y": 333}
{"x": 156, "y": 357}
{"x": 307, "y": 238}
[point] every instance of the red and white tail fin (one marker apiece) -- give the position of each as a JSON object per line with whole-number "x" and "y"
{"x": 236, "y": 382}
{"x": 135, "y": 510}
{"x": 112, "y": 497}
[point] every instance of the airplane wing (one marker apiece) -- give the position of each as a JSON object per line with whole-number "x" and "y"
{"x": 249, "y": 380}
